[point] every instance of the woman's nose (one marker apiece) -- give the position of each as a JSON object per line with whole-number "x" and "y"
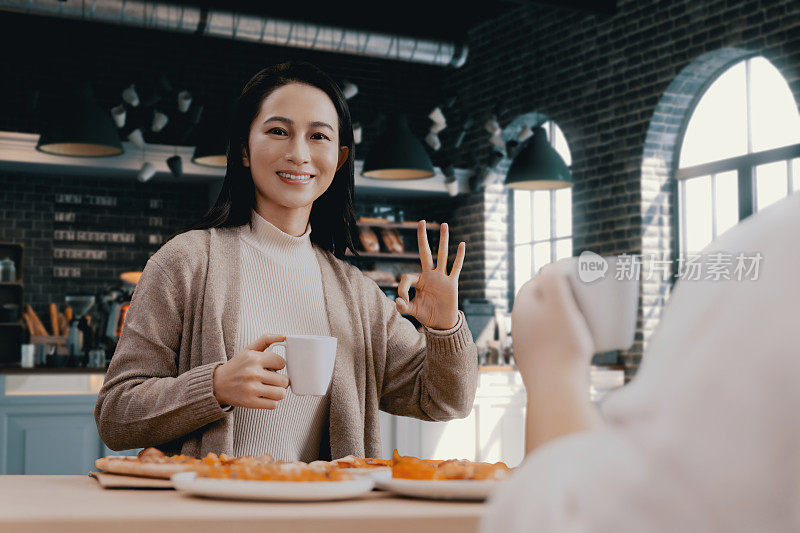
{"x": 299, "y": 152}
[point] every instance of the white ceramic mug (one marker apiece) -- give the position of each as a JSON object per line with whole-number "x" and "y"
{"x": 608, "y": 300}
{"x": 309, "y": 363}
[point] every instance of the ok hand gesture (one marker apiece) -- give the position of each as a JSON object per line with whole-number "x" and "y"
{"x": 435, "y": 304}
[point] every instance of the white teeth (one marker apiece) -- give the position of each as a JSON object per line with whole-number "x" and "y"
{"x": 294, "y": 176}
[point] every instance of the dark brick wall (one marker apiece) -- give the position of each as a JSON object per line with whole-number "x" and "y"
{"x": 601, "y": 79}
{"x": 80, "y": 234}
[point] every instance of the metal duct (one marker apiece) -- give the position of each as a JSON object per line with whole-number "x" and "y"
{"x": 216, "y": 23}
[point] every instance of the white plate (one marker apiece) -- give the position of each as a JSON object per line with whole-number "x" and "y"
{"x": 441, "y": 489}
{"x": 189, "y": 483}
{"x": 379, "y": 474}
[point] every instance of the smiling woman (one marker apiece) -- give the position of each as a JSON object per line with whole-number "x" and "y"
{"x": 285, "y": 116}
{"x": 193, "y": 372}
{"x": 293, "y": 158}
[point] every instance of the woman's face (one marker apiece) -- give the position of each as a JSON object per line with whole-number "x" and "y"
{"x": 293, "y": 149}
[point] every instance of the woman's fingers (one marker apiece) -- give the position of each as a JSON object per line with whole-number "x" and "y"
{"x": 261, "y": 403}
{"x": 404, "y": 304}
{"x": 261, "y": 343}
{"x": 271, "y": 361}
{"x": 275, "y": 379}
{"x": 406, "y": 281}
{"x": 425, "y": 256}
{"x": 458, "y": 262}
{"x": 270, "y": 392}
{"x": 444, "y": 238}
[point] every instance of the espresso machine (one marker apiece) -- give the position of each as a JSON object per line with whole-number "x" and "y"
{"x": 80, "y": 337}
{"x": 113, "y": 303}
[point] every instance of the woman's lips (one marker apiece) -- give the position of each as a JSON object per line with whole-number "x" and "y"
{"x": 294, "y": 179}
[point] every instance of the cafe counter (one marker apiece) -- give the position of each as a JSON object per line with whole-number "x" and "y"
{"x": 77, "y": 503}
{"x": 47, "y": 423}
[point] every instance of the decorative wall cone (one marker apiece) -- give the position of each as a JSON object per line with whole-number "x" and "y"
{"x": 184, "y": 101}
{"x": 497, "y": 140}
{"x": 436, "y": 127}
{"x": 118, "y": 114}
{"x": 159, "y": 121}
{"x": 147, "y": 171}
{"x": 524, "y": 134}
{"x": 433, "y": 141}
{"x": 452, "y": 187}
{"x": 131, "y": 96}
{"x": 164, "y": 84}
{"x": 349, "y": 91}
{"x": 136, "y": 138}
{"x": 175, "y": 164}
{"x": 437, "y": 116}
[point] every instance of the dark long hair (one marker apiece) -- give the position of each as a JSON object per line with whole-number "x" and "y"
{"x": 332, "y": 215}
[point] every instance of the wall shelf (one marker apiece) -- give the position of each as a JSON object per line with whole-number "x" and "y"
{"x": 386, "y": 256}
{"x": 430, "y": 226}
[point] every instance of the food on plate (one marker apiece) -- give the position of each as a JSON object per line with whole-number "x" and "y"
{"x": 414, "y": 468}
{"x": 249, "y": 468}
{"x": 151, "y": 462}
{"x": 351, "y": 461}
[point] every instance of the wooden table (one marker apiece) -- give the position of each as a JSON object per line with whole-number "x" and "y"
{"x": 79, "y": 504}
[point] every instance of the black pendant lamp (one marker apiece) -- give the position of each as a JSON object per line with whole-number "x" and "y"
{"x": 397, "y": 154}
{"x": 538, "y": 166}
{"x": 212, "y": 146}
{"x": 77, "y": 126}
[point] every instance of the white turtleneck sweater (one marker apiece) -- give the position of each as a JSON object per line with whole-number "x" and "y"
{"x": 281, "y": 294}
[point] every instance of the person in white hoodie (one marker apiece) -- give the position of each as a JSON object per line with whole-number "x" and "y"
{"x": 705, "y": 438}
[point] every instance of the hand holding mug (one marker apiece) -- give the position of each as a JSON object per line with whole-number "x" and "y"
{"x": 250, "y": 378}
{"x": 435, "y": 303}
{"x": 549, "y": 332}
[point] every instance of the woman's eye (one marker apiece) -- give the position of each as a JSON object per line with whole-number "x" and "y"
{"x": 319, "y": 136}
{"x": 276, "y": 131}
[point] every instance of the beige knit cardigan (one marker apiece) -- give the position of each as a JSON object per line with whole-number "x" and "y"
{"x": 182, "y": 324}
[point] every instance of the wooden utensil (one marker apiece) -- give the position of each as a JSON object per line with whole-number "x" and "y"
{"x": 37, "y": 324}
{"x": 54, "y": 318}
{"x": 62, "y": 324}
{"x": 28, "y": 323}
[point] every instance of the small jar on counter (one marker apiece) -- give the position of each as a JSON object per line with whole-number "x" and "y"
{"x": 8, "y": 271}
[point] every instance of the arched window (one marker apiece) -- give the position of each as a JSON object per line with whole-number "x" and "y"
{"x": 740, "y": 152}
{"x": 542, "y": 220}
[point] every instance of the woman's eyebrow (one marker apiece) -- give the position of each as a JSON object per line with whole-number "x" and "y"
{"x": 290, "y": 122}
{"x": 319, "y": 124}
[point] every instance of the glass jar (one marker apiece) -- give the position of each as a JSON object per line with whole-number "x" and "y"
{"x": 8, "y": 271}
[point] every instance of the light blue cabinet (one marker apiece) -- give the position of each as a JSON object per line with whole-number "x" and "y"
{"x": 48, "y": 435}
